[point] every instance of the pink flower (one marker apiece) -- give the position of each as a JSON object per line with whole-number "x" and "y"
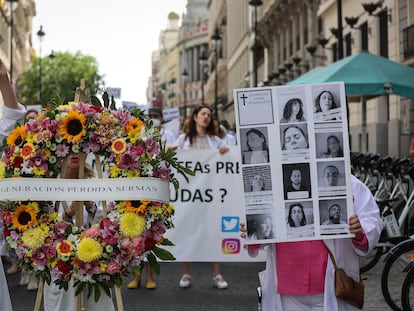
{"x": 162, "y": 173}
{"x": 90, "y": 268}
{"x": 113, "y": 268}
{"x": 152, "y": 147}
{"x": 92, "y": 232}
{"x": 62, "y": 150}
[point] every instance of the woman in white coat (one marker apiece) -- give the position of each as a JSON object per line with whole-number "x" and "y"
{"x": 200, "y": 134}
{"x": 12, "y": 113}
{"x": 366, "y": 224}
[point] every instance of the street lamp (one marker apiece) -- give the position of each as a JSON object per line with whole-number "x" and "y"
{"x": 40, "y": 35}
{"x": 184, "y": 74}
{"x": 203, "y": 60}
{"x": 216, "y": 38}
{"x": 13, "y": 6}
{"x": 255, "y": 4}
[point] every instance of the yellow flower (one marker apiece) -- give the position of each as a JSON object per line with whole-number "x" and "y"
{"x": 114, "y": 171}
{"x": 134, "y": 173}
{"x": 138, "y": 207}
{"x": 89, "y": 250}
{"x": 27, "y": 150}
{"x": 134, "y": 125}
{"x": 133, "y": 136}
{"x": 73, "y": 127}
{"x": 64, "y": 248}
{"x": 170, "y": 209}
{"x": 34, "y": 237}
{"x": 131, "y": 225}
{"x": 118, "y": 146}
{"x": 2, "y": 169}
{"x": 17, "y": 136}
{"x": 155, "y": 210}
{"x": 24, "y": 217}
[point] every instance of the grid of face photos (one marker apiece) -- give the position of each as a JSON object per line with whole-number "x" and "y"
{"x": 295, "y": 161}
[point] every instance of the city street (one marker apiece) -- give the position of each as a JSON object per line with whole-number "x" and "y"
{"x": 240, "y": 296}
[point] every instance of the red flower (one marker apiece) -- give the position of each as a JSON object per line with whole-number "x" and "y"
{"x": 17, "y": 162}
{"x": 150, "y": 244}
{"x": 64, "y": 267}
{"x": 6, "y": 232}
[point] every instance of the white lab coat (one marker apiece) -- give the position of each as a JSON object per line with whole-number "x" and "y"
{"x": 344, "y": 251}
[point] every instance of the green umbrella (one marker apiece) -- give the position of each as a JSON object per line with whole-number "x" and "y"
{"x": 365, "y": 74}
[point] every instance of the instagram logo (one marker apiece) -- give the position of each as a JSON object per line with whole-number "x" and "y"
{"x": 230, "y": 246}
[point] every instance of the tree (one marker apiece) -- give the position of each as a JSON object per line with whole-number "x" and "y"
{"x": 60, "y": 77}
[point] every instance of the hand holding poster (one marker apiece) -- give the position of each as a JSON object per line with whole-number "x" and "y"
{"x": 295, "y": 162}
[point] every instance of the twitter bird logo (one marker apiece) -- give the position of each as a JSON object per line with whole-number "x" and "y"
{"x": 230, "y": 223}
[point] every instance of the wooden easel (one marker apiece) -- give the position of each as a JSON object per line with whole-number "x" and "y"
{"x": 82, "y": 94}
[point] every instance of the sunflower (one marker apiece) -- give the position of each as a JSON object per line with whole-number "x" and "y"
{"x": 17, "y": 136}
{"x": 73, "y": 127}
{"x": 24, "y": 217}
{"x": 138, "y": 207}
{"x": 134, "y": 125}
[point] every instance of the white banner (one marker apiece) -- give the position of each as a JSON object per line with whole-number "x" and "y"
{"x": 107, "y": 189}
{"x": 208, "y": 209}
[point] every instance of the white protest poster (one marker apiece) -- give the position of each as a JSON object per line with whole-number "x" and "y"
{"x": 208, "y": 209}
{"x": 295, "y": 162}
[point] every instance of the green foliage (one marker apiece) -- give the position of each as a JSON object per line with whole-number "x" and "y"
{"x": 60, "y": 77}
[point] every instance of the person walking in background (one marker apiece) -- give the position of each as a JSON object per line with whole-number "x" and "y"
{"x": 156, "y": 116}
{"x": 299, "y": 275}
{"x": 13, "y": 112}
{"x": 200, "y": 135}
{"x": 230, "y": 131}
{"x": 220, "y": 131}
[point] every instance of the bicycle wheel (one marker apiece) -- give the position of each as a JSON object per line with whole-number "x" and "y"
{"x": 407, "y": 292}
{"x": 368, "y": 261}
{"x": 395, "y": 271}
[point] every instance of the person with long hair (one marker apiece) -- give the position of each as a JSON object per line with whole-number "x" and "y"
{"x": 200, "y": 134}
{"x": 296, "y": 215}
{"x": 293, "y": 111}
{"x": 257, "y": 149}
{"x": 262, "y": 227}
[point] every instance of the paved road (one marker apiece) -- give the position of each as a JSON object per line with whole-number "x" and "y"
{"x": 240, "y": 296}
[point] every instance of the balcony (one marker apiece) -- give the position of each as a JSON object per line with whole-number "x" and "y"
{"x": 408, "y": 42}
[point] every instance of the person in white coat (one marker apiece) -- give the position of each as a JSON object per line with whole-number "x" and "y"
{"x": 319, "y": 293}
{"x": 200, "y": 134}
{"x": 56, "y": 299}
{"x": 13, "y": 112}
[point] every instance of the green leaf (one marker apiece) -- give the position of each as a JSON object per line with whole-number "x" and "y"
{"x": 163, "y": 254}
{"x": 155, "y": 266}
{"x": 79, "y": 288}
{"x": 105, "y": 98}
{"x": 166, "y": 241}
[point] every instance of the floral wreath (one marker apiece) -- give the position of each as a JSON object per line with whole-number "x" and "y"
{"x": 99, "y": 255}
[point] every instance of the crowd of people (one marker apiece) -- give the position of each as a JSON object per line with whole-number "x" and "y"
{"x": 296, "y": 273}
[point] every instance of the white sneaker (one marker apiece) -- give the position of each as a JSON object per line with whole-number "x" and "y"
{"x": 185, "y": 281}
{"x": 33, "y": 285}
{"x": 24, "y": 279}
{"x": 219, "y": 282}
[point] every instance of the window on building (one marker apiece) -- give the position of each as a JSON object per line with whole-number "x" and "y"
{"x": 364, "y": 36}
{"x": 383, "y": 30}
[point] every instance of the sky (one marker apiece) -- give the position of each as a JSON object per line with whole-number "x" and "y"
{"x": 120, "y": 34}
